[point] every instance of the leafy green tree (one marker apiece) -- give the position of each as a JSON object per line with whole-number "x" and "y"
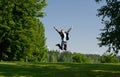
{"x": 109, "y": 36}
{"x": 57, "y": 56}
{"x": 66, "y": 56}
{"x": 21, "y": 32}
{"x": 80, "y": 58}
{"x": 118, "y": 58}
{"x": 94, "y": 58}
{"x": 109, "y": 58}
{"x": 53, "y": 56}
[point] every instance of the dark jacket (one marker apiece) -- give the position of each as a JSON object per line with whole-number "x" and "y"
{"x": 62, "y": 35}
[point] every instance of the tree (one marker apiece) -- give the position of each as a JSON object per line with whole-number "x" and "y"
{"x": 53, "y": 56}
{"x": 21, "y": 31}
{"x": 109, "y": 58}
{"x": 80, "y": 58}
{"x": 57, "y": 56}
{"x": 94, "y": 58}
{"x": 111, "y": 19}
{"x": 66, "y": 56}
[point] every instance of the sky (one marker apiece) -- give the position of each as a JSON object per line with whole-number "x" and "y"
{"x": 81, "y": 15}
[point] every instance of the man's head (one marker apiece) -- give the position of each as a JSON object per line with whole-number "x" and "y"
{"x": 62, "y": 31}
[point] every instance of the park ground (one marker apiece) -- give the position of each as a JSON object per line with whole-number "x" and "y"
{"x": 22, "y": 69}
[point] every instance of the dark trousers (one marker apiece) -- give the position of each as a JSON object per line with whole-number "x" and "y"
{"x": 64, "y": 45}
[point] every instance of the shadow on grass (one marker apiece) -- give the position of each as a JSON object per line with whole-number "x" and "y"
{"x": 59, "y": 70}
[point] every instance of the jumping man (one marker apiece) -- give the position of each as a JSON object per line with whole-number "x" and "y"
{"x": 64, "y": 38}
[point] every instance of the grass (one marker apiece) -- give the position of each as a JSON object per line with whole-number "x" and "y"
{"x": 20, "y": 69}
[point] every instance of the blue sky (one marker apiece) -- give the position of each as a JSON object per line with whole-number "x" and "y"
{"x": 81, "y": 15}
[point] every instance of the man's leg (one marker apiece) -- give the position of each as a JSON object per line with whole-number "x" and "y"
{"x": 65, "y": 45}
{"x": 59, "y": 46}
{"x": 62, "y": 45}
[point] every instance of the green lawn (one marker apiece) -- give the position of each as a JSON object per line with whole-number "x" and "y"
{"x": 20, "y": 69}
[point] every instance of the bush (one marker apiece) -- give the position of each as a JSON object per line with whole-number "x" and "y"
{"x": 80, "y": 58}
{"x": 108, "y": 58}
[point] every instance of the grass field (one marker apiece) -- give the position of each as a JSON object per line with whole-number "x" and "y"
{"x": 20, "y": 69}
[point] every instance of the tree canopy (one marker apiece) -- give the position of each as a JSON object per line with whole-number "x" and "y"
{"x": 110, "y": 34}
{"x": 21, "y": 31}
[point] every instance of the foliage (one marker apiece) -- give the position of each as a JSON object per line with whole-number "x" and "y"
{"x": 109, "y": 58}
{"x": 57, "y": 56}
{"x": 80, "y": 58}
{"x": 94, "y": 58}
{"x": 66, "y": 57}
{"x": 21, "y": 32}
{"x": 53, "y": 56}
{"x": 111, "y": 18}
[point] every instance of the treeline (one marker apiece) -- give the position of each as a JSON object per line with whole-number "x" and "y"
{"x": 67, "y": 56}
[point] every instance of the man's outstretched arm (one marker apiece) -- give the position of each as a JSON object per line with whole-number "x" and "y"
{"x": 69, "y": 29}
{"x": 56, "y": 29}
